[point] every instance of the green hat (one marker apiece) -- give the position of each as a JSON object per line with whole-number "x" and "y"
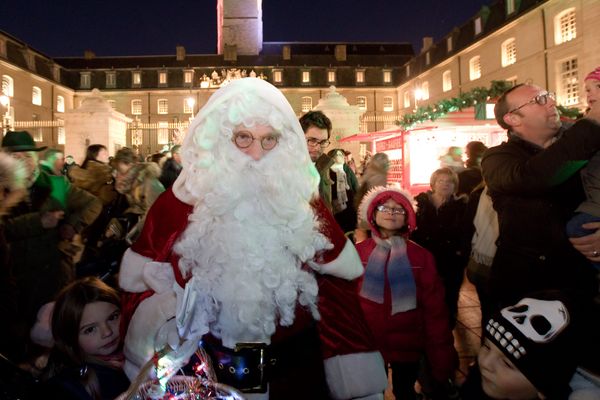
{"x": 18, "y": 141}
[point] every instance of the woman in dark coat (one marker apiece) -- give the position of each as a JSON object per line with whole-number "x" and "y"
{"x": 440, "y": 228}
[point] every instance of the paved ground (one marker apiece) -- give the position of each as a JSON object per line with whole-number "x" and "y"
{"x": 467, "y": 334}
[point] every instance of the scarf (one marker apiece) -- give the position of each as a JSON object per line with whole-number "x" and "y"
{"x": 399, "y": 275}
{"x": 486, "y": 230}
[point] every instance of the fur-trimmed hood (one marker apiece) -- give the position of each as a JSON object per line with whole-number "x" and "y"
{"x": 379, "y": 195}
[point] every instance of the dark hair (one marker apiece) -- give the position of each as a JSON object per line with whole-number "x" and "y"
{"x": 502, "y": 108}
{"x": 91, "y": 153}
{"x": 156, "y": 157}
{"x": 66, "y": 317}
{"x": 125, "y": 155}
{"x": 316, "y": 119}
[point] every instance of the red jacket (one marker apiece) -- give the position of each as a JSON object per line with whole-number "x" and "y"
{"x": 405, "y": 336}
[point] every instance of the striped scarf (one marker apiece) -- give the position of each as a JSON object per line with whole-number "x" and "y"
{"x": 399, "y": 275}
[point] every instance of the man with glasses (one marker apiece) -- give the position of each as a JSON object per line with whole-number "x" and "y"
{"x": 317, "y": 130}
{"x": 534, "y": 183}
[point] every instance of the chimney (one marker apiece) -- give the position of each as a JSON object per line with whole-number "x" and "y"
{"x": 287, "y": 52}
{"x": 180, "y": 52}
{"x": 89, "y": 55}
{"x": 427, "y": 43}
{"x": 340, "y": 52}
{"x": 230, "y": 52}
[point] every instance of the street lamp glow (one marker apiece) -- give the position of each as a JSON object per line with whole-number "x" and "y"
{"x": 4, "y": 100}
{"x": 190, "y": 102}
{"x": 419, "y": 94}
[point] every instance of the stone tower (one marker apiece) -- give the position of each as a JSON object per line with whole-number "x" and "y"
{"x": 239, "y": 24}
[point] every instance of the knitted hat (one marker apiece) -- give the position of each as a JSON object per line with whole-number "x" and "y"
{"x": 595, "y": 74}
{"x": 538, "y": 336}
{"x": 17, "y": 141}
{"x": 379, "y": 195}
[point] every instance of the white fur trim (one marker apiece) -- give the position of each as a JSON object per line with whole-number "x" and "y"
{"x": 356, "y": 375}
{"x": 139, "y": 273}
{"x": 149, "y": 317}
{"x": 347, "y": 265}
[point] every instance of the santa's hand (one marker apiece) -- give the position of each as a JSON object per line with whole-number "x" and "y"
{"x": 589, "y": 245}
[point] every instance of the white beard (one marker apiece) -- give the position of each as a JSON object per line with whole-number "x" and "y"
{"x": 247, "y": 239}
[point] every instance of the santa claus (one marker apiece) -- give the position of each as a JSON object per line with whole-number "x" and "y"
{"x": 243, "y": 255}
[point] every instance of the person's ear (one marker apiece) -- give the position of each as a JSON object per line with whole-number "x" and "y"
{"x": 511, "y": 119}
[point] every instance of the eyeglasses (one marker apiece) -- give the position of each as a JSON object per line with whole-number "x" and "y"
{"x": 244, "y": 139}
{"x": 541, "y": 99}
{"x": 316, "y": 142}
{"x": 390, "y": 210}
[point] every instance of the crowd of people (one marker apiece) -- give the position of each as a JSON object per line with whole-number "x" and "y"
{"x": 300, "y": 274}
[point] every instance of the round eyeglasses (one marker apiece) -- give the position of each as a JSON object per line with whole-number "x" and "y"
{"x": 316, "y": 142}
{"x": 391, "y": 210}
{"x": 541, "y": 99}
{"x": 244, "y": 139}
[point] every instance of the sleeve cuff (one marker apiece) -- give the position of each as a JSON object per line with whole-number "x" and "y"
{"x": 346, "y": 265}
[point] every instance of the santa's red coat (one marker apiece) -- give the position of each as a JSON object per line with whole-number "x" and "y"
{"x": 353, "y": 366}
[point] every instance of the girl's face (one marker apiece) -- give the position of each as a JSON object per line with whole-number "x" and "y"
{"x": 500, "y": 379}
{"x": 592, "y": 91}
{"x": 99, "y": 329}
{"x": 391, "y": 219}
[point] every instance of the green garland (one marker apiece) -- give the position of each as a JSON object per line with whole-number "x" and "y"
{"x": 478, "y": 95}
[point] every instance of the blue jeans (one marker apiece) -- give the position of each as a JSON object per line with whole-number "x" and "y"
{"x": 574, "y": 229}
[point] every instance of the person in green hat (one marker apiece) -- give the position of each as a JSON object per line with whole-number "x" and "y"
{"x": 51, "y": 212}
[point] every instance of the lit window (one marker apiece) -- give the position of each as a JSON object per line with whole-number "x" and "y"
{"x": 136, "y": 107}
{"x": 38, "y": 135}
{"x": 163, "y": 106}
{"x": 8, "y": 86}
{"x": 449, "y": 44}
{"x": 407, "y": 70}
{"x": 188, "y": 76}
{"x": 113, "y": 104}
{"x": 361, "y": 102}
{"x": 305, "y": 76}
{"x": 388, "y": 103}
{"x": 565, "y": 26}
{"x": 162, "y": 78}
{"x": 569, "y": 82}
{"x": 136, "y": 78}
{"x": 111, "y": 80}
{"x": 360, "y": 76}
{"x": 477, "y": 24}
{"x": 163, "y": 133}
{"x": 61, "y": 133}
{"x": 36, "y": 96}
{"x": 427, "y": 58}
{"x": 306, "y": 103}
{"x": 387, "y": 76}
{"x": 85, "y": 80}
{"x": 188, "y": 106}
{"x": 60, "y": 104}
{"x": 277, "y": 76}
{"x": 510, "y": 7}
{"x": 509, "y": 52}
{"x": 406, "y": 99}
{"x": 447, "y": 81}
{"x": 331, "y": 76}
{"x": 474, "y": 68}
{"x": 425, "y": 91}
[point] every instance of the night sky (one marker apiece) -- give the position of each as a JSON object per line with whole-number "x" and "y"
{"x": 60, "y": 28}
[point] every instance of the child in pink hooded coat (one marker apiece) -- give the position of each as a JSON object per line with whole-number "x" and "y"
{"x": 401, "y": 293}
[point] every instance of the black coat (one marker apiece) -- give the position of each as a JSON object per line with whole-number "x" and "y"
{"x": 535, "y": 192}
